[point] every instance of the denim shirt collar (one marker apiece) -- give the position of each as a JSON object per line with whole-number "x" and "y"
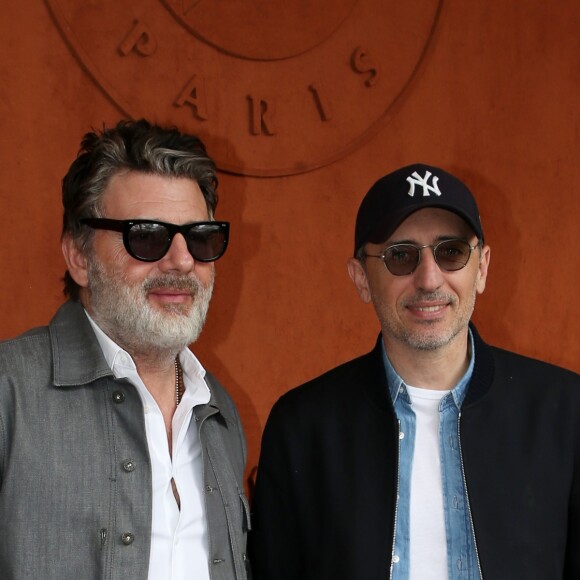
{"x": 458, "y": 392}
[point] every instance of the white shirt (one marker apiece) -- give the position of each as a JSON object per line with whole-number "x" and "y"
{"x": 428, "y": 539}
{"x": 179, "y": 537}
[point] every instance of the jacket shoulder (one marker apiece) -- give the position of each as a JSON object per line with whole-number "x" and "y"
{"x": 511, "y": 366}
{"x": 30, "y": 349}
{"x": 335, "y": 394}
{"x": 31, "y": 335}
{"x": 336, "y": 382}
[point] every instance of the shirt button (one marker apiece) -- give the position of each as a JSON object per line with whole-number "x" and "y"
{"x": 401, "y": 389}
{"x": 127, "y": 538}
{"x": 395, "y": 559}
{"x": 118, "y": 397}
{"x": 401, "y": 435}
{"x": 129, "y": 465}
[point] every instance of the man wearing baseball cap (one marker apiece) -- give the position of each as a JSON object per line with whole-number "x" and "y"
{"x": 435, "y": 456}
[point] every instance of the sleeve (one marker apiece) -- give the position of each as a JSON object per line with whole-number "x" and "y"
{"x": 274, "y": 542}
{"x": 2, "y": 450}
{"x": 572, "y": 564}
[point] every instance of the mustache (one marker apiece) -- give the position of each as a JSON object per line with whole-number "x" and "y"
{"x": 173, "y": 282}
{"x": 430, "y": 297}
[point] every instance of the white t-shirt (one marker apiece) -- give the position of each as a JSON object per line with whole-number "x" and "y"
{"x": 428, "y": 541}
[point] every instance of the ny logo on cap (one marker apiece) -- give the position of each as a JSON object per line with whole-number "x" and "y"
{"x": 416, "y": 179}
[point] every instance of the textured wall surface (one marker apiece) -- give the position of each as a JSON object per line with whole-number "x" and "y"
{"x": 305, "y": 108}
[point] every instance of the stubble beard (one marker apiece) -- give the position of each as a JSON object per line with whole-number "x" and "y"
{"x": 429, "y": 337}
{"x": 123, "y": 312}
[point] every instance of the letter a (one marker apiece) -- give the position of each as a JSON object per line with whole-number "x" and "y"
{"x": 194, "y": 95}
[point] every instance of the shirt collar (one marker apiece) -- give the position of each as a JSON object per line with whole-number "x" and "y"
{"x": 395, "y": 382}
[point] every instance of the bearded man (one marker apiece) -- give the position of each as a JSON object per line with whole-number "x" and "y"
{"x": 120, "y": 456}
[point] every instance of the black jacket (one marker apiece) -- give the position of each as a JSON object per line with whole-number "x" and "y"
{"x": 324, "y": 503}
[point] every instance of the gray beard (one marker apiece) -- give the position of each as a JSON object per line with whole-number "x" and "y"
{"x": 124, "y": 314}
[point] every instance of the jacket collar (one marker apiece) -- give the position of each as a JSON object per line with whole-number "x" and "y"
{"x": 483, "y": 371}
{"x": 77, "y": 356}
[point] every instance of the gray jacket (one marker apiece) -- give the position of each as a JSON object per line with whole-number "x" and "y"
{"x": 75, "y": 473}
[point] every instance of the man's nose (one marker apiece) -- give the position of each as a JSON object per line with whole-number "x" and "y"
{"x": 178, "y": 257}
{"x": 428, "y": 275}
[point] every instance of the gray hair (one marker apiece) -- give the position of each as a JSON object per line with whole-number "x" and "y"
{"x": 134, "y": 146}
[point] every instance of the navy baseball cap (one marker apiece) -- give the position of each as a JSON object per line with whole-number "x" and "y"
{"x": 397, "y": 195}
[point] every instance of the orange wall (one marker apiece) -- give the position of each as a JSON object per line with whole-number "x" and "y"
{"x": 494, "y": 99}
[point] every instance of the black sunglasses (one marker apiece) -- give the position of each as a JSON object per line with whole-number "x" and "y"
{"x": 403, "y": 259}
{"x": 149, "y": 240}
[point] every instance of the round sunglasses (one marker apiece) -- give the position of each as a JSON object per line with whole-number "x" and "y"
{"x": 403, "y": 259}
{"x": 150, "y": 240}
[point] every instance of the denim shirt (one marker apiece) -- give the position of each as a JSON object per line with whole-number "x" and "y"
{"x": 462, "y": 559}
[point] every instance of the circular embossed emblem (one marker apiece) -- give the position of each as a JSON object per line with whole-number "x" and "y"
{"x": 274, "y": 87}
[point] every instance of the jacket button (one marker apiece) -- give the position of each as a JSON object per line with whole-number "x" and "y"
{"x": 129, "y": 465}
{"x": 127, "y": 538}
{"x": 118, "y": 397}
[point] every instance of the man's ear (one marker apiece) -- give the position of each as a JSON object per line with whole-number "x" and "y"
{"x": 76, "y": 261}
{"x": 358, "y": 275}
{"x": 482, "y": 269}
